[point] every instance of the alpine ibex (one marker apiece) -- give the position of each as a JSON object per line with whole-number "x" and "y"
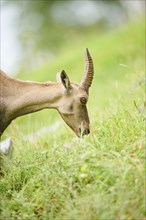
{"x": 19, "y": 98}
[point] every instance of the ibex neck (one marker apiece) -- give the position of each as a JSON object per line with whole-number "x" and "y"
{"x": 31, "y": 97}
{"x": 22, "y": 97}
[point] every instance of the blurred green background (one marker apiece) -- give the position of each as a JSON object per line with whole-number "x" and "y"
{"x": 44, "y": 29}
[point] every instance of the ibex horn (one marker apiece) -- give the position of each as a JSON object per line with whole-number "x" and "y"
{"x": 88, "y": 73}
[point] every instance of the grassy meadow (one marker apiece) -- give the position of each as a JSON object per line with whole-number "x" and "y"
{"x": 57, "y": 176}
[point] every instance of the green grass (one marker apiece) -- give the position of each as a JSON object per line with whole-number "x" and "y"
{"x": 99, "y": 177}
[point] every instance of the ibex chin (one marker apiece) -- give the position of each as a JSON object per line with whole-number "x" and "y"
{"x": 19, "y": 98}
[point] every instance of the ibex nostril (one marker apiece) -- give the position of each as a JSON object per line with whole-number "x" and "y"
{"x": 87, "y": 131}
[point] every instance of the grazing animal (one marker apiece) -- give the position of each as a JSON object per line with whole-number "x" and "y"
{"x": 19, "y": 98}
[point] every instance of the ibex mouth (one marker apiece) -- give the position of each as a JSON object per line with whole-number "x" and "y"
{"x": 84, "y": 132}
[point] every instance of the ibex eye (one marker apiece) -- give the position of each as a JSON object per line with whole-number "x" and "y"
{"x": 83, "y": 100}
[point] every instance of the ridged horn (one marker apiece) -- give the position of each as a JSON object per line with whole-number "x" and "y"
{"x": 88, "y": 72}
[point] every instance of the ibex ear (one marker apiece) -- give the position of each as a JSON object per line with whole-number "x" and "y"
{"x": 65, "y": 80}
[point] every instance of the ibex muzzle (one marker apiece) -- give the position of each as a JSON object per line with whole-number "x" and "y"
{"x": 19, "y": 98}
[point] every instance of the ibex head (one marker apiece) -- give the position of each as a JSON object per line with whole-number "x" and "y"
{"x": 72, "y": 105}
